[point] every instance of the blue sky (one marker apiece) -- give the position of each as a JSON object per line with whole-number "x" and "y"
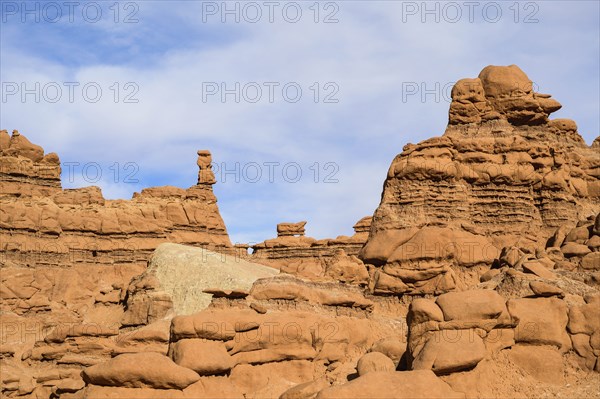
{"x": 354, "y": 115}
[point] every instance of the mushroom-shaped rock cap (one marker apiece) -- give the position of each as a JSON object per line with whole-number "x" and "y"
{"x": 290, "y": 229}
{"x": 204, "y": 157}
{"x": 500, "y": 93}
{"x": 505, "y": 81}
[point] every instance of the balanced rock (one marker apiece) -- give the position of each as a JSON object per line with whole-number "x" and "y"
{"x": 471, "y": 305}
{"x": 540, "y": 288}
{"x": 294, "y": 253}
{"x": 205, "y": 173}
{"x": 572, "y": 249}
{"x": 536, "y": 267}
{"x": 290, "y": 229}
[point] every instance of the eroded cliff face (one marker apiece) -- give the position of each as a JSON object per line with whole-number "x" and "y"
{"x": 294, "y": 253}
{"x": 44, "y": 225}
{"x": 67, "y": 258}
{"x": 24, "y": 169}
{"x": 502, "y": 174}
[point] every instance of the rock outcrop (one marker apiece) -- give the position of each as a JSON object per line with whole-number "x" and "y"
{"x": 24, "y": 168}
{"x": 290, "y": 229}
{"x": 461, "y": 329}
{"x": 184, "y": 280}
{"x": 478, "y": 276}
{"x": 502, "y": 174}
{"x": 67, "y": 258}
{"x": 294, "y": 253}
{"x": 284, "y": 333}
{"x": 43, "y": 225}
{"x": 123, "y": 336}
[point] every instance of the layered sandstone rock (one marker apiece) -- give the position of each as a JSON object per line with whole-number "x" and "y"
{"x": 67, "y": 258}
{"x": 480, "y": 278}
{"x": 294, "y": 253}
{"x": 290, "y": 229}
{"x": 178, "y": 278}
{"x": 461, "y": 329}
{"x": 286, "y": 336}
{"x": 502, "y": 174}
{"x": 78, "y": 328}
{"x": 24, "y": 169}
{"x": 567, "y": 264}
{"x": 42, "y": 225}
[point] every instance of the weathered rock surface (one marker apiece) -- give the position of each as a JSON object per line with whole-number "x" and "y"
{"x": 398, "y": 384}
{"x": 544, "y": 364}
{"x": 292, "y": 252}
{"x": 67, "y": 258}
{"x": 542, "y": 321}
{"x": 290, "y": 229}
{"x": 204, "y": 357}
{"x": 448, "y": 335}
{"x": 142, "y": 370}
{"x": 24, "y": 169}
{"x": 374, "y": 361}
{"x": 479, "y": 277}
{"x": 471, "y": 305}
{"x": 502, "y": 173}
{"x": 184, "y": 274}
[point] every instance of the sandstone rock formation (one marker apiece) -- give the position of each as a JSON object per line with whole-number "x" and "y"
{"x": 460, "y": 330}
{"x": 24, "y": 169}
{"x": 78, "y": 226}
{"x": 285, "y": 333}
{"x": 290, "y": 229}
{"x": 134, "y": 327}
{"x": 67, "y": 258}
{"x": 478, "y": 276}
{"x": 183, "y": 275}
{"x": 501, "y": 93}
{"x": 502, "y": 174}
{"x": 294, "y": 253}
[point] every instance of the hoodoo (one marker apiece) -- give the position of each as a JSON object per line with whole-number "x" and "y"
{"x": 502, "y": 174}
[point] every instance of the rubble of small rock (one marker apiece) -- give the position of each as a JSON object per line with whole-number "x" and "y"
{"x": 477, "y": 276}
